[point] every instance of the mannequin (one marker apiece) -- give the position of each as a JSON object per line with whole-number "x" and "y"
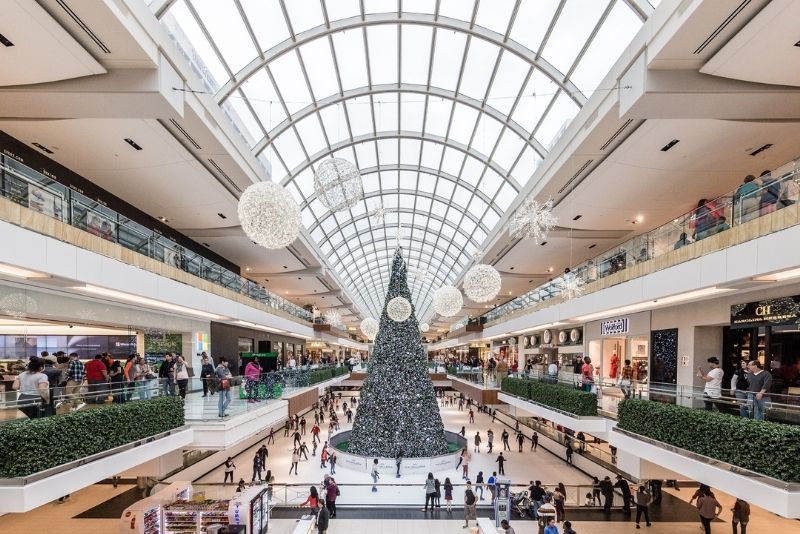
{"x": 614, "y": 365}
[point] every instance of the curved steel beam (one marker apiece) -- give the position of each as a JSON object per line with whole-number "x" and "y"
{"x": 424, "y": 19}
{"x": 399, "y": 88}
{"x": 403, "y": 134}
{"x": 432, "y": 196}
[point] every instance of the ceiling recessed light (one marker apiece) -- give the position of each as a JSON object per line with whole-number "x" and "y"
{"x": 761, "y": 149}
{"x": 42, "y": 148}
{"x": 299, "y": 278}
{"x": 285, "y": 267}
{"x": 549, "y": 269}
{"x": 639, "y": 218}
{"x": 163, "y": 219}
{"x": 593, "y": 245}
{"x": 132, "y": 143}
{"x": 4, "y": 40}
{"x": 543, "y": 243}
{"x": 221, "y": 215}
{"x": 206, "y": 244}
{"x": 577, "y": 217}
{"x": 247, "y": 269}
{"x": 670, "y": 145}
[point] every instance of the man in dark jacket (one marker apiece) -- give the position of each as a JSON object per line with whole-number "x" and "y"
{"x": 207, "y": 376}
{"x": 607, "y": 489}
{"x": 166, "y": 375}
{"x": 625, "y": 489}
{"x": 323, "y": 517}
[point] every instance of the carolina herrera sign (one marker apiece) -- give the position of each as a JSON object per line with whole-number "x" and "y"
{"x": 773, "y": 312}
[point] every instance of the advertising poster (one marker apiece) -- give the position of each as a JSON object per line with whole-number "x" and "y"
{"x": 44, "y": 201}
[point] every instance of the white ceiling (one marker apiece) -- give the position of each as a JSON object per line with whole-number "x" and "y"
{"x": 32, "y": 30}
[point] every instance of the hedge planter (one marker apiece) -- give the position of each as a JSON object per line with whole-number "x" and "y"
{"x": 565, "y": 398}
{"x": 771, "y": 449}
{"x": 31, "y": 446}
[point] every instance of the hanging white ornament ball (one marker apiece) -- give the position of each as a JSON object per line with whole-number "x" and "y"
{"x": 482, "y": 283}
{"x": 447, "y": 301}
{"x": 424, "y": 327}
{"x": 369, "y": 327}
{"x": 269, "y": 215}
{"x": 398, "y": 309}
{"x": 337, "y": 184}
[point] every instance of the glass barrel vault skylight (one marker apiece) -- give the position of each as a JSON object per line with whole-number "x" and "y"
{"x": 446, "y": 107}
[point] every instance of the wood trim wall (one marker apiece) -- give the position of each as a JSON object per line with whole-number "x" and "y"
{"x": 764, "y": 225}
{"x": 302, "y": 402}
{"x": 13, "y": 213}
{"x": 479, "y": 395}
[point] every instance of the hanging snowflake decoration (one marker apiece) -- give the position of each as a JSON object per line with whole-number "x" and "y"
{"x": 447, "y": 301}
{"x": 419, "y": 275}
{"x": 482, "y": 283}
{"x": 378, "y": 214}
{"x": 269, "y": 215}
{"x": 533, "y": 220}
{"x": 369, "y": 327}
{"x": 337, "y": 184}
{"x": 424, "y": 327}
{"x": 570, "y": 285}
{"x": 398, "y": 309}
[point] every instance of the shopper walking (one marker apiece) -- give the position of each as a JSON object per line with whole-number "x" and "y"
{"x": 625, "y": 489}
{"x": 295, "y": 461}
{"x": 520, "y": 440}
{"x": 33, "y": 388}
{"x": 709, "y": 508}
{"x": 643, "y": 500}
{"x": 165, "y": 374}
{"x": 490, "y": 440}
{"x": 534, "y": 441}
{"x": 759, "y": 386}
{"x": 587, "y": 374}
{"x": 501, "y": 460}
{"x": 477, "y": 442}
{"x": 229, "y": 467}
{"x": 332, "y": 459}
{"x": 181, "y": 376}
{"x": 741, "y": 515}
{"x": 537, "y": 495}
{"x": 252, "y": 377}
{"x": 471, "y": 416}
{"x": 331, "y": 492}
{"x": 430, "y": 492}
{"x": 75, "y": 376}
{"x": 470, "y": 505}
{"x": 375, "y": 475}
{"x": 479, "y": 485}
{"x": 569, "y": 452}
{"x": 466, "y": 457}
{"x": 448, "y": 495}
{"x": 258, "y": 466}
{"x": 504, "y": 438}
{"x": 323, "y": 518}
{"x": 607, "y": 489}
{"x": 312, "y": 501}
{"x": 97, "y": 376}
{"x": 712, "y": 391}
{"x": 223, "y": 376}
{"x": 207, "y": 376}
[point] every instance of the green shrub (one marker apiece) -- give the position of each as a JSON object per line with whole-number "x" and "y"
{"x": 30, "y": 446}
{"x": 768, "y": 448}
{"x": 452, "y": 370}
{"x": 315, "y": 376}
{"x": 565, "y": 398}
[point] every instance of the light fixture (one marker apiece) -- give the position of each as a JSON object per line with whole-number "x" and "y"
{"x": 21, "y": 273}
{"x": 144, "y": 301}
{"x": 482, "y": 283}
{"x": 533, "y": 220}
{"x": 261, "y": 327}
{"x": 639, "y": 218}
{"x": 269, "y": 215}
{"x": 163, "y": 219}
{"x": 337, "y": 184}
{"x": 778, "y": 277}
{"x": 655, "y": 303}
{"x": 447, "y": 301}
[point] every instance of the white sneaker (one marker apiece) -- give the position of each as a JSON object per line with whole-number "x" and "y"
{"x": 81, "y": 405}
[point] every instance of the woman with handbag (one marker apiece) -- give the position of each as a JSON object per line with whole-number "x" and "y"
{"x": 181, "y": 376}
{"x": 224, "y": 379}
{"x": 34, "y": 390}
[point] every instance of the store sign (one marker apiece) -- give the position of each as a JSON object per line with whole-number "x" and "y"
{"x": 773, "y": 312}
{"x": 614, "y": 327}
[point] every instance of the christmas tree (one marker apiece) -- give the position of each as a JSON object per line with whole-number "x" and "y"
{"x": 398, "y": 408}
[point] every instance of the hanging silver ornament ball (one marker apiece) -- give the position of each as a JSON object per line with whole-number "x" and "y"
{"x": 447, "y": 301}
{"x": 424, "y": 327}
{"x": 398, "y": 309}
{"x": 269, "y": 215}
{"x": 369, "y": 327}
{"x": 337, "y": 184}
{"x": 482, "y": 283}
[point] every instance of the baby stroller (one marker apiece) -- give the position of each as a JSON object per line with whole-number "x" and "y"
{"x": 520, "y": 504}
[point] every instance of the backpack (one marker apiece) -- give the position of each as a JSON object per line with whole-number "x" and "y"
{"x": 469, "y": 498}
{"x": 337, "y": 491}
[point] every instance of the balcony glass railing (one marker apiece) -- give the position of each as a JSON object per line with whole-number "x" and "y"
{"x": 779, "y": 408}
{"x": 31, "y": 189}
{"x": 748, "y": 202}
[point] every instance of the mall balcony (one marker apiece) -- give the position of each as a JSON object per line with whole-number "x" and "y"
{"x": 142, "y": 431}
